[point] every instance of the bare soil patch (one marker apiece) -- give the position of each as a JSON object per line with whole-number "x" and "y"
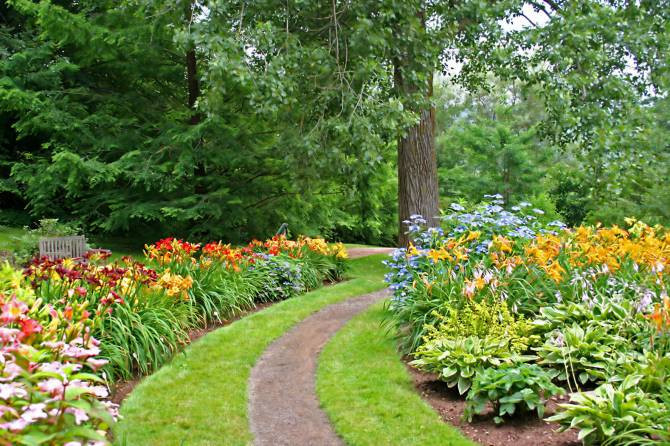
{"x": 526, "y": 430}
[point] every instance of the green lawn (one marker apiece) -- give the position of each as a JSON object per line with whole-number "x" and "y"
{"x": 118, "y": 245}
{"x": 200, "y": 398}
{"x": 7, "y": 235}
{"x": 369, "y": 396}
{"x": 358, "y": 245}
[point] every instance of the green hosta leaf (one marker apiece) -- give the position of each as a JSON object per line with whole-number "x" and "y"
{"x": 512, "y": 399}
{"x": 576, "y": 420}
{"x": 463, "y": 385}
{"x": 630, "y": 381}
{"x": 467, "y": 372}
{"x": 507, "y": 408}
{"x": 608, "y": 430}
{"x": 559, "y": 417}
{"x": 448, "y": 372}
{"x": 583, "y": 377}
{"x": 585, "y": 433}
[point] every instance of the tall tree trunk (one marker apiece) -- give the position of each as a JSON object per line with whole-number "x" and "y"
{"x": 417, "y": 165}
{"x": 192, "y": 84}
{"x": 193, "y": 88}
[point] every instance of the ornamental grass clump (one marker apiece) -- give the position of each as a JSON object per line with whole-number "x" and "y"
{"x": 590, "y": 304}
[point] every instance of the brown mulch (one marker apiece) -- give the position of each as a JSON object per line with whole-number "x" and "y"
{"x": 525, "y": 430}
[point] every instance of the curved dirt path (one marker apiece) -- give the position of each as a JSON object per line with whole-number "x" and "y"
{"x": 283, "y": 406}
{"x": 354, "y": 253}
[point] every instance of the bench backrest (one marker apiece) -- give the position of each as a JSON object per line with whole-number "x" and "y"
{"x": 61, "y": 247}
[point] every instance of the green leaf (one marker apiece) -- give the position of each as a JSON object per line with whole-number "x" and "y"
{"x": 584, "y": 377}
{"x": 507, "y": 408}
{"x": 448, "y": 372}
{"x": 585, "y": 433}
{"x": 463, "y": 385}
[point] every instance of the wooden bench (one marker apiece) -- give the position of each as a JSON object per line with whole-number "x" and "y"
{"x": 62, "y": 247}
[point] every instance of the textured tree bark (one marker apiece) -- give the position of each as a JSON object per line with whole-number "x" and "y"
{"x": 417, "y": 175}
{"x": 193, "y": 88}
{"x": 192, "y": 83}
{"x": 417, "y": 166}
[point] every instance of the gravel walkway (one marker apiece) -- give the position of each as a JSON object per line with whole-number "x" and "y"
{"x": 362, "y": 252}
{"x": 283, "y": 406}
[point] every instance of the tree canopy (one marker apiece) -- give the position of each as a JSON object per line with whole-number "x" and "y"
{"x": 227, "y": 118}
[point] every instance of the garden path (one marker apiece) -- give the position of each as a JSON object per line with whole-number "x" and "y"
{"x": 283, "y": 406}
{"x": 355, "y": 253}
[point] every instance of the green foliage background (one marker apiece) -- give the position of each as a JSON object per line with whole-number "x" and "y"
{"x": 296, "y": 117}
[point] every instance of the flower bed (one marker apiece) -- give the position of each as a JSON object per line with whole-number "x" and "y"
{"x": 511, "y": 311}
{"x": 68, "y": 329}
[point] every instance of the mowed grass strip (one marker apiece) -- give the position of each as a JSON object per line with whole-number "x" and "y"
{"x": 368, "y": 395}
{"x": 200, "y": 398}
{"x": 8, "y": 235}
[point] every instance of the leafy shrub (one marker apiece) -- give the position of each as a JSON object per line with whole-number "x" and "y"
{"x": 612, "y": 414}
{"x": 653, "y": 366}
{"x": 457, "y": 360}
{"x": 484, "y": 319}
{"x": 579, "y": 354}
{"x": 520, "y": 386}
{"x": 620, "y": 318}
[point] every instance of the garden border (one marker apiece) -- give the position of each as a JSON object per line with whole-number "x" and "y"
{"x": 176, "y": 403}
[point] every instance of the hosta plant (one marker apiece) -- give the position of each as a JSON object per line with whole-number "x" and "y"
{"x": 457, "y": 360}
{"x": 485, "y": 319}
{"x": 622, "y": 412}
{"x": 521, "y": 387}
{"x": 579, "y": 354}
{"x": 620, "y": 318}
{"x": 653, "y": 366}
